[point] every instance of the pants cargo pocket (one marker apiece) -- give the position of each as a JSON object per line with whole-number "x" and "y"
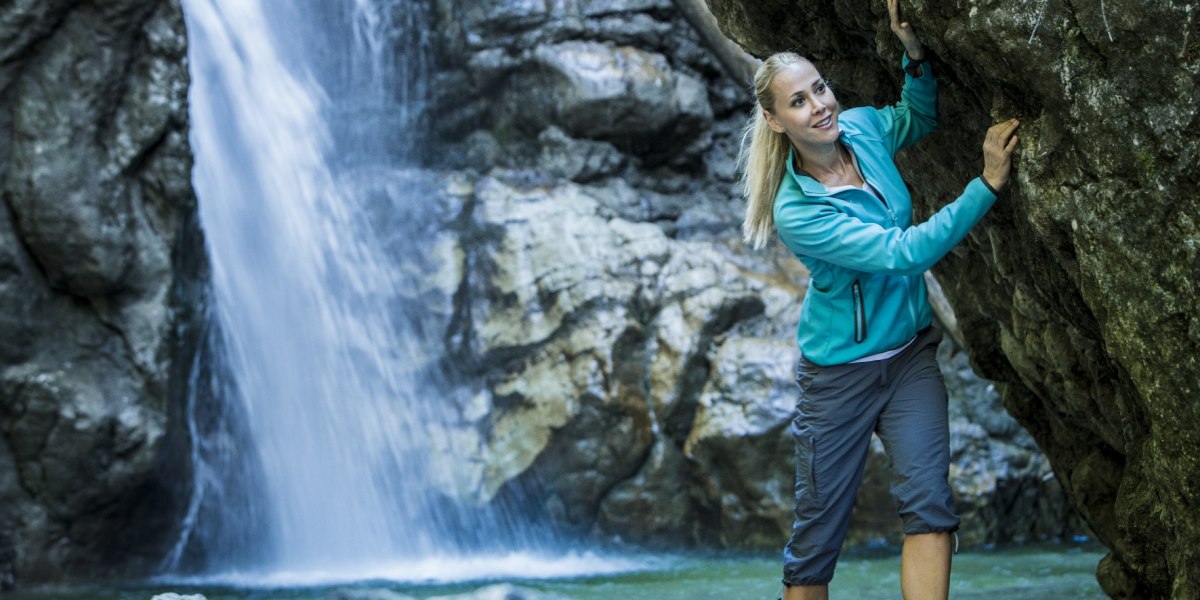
{"x": 808, "y": 500}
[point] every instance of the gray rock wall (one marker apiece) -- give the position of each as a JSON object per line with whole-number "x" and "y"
{"x": 633, "y": 360}
{"x": 100, "y": 269}
{"x": 1077, "y": 294}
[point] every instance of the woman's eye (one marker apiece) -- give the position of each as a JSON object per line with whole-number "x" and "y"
{"x": 798, "y": 102}
{"x": 821, "y": 89}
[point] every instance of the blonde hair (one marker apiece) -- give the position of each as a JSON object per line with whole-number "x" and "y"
{"x": 763, "y": 156}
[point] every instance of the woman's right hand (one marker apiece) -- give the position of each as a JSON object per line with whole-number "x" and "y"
{"x": 998, "y": 147}
{"x": 904, "y": 32}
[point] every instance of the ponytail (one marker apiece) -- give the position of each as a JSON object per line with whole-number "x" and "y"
{"x": 763, "y": 156}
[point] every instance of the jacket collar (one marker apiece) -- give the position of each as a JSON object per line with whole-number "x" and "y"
{"x": 809, "y": 184}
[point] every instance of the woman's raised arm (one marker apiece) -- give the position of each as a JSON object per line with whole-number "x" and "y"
{"x": 904, "y": 32}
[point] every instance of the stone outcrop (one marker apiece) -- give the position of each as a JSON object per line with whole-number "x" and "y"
{"x": 641, "y": 385}
{"x": 633, "y": 360}
{"x": 99, "y": 280}
{"x": 1077, "y": 293}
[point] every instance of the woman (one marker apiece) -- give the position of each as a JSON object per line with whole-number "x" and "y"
{"x": 824, "y": 180}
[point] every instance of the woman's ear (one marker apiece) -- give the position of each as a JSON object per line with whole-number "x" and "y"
{"x": 772, "y": 122}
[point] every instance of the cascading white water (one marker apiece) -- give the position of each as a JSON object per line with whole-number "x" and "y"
{"x": 327, "y": 368}
{"x": 319, "y": 402}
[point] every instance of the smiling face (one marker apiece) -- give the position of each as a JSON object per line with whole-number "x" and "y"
{"x": 803, "y": 108}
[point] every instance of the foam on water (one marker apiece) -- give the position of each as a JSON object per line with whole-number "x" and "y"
{"x": 515, "y": 566}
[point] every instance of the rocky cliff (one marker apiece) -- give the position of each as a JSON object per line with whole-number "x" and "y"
{"x": 1078, "y": 293}
{"x": 632, "y": 359}
{"x": 99, "y": 279}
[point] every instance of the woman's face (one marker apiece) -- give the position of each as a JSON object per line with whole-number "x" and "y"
{"x": 805, "y": 108}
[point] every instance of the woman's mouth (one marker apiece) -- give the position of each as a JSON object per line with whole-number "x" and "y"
{"x": 824, "y": 123}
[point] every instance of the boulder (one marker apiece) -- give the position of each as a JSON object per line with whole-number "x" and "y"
{"x": 741, "y": 445}
{"x": 625, "y": 95}
{"x": 592, "y": 334}
{"x": 101, "y": 274}
{"x": 606, "y": 71}
{"x": 577, "y": 160}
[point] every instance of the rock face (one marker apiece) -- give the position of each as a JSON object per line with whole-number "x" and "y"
{"x": 1077, "y": 293}
{"x": 98, "y": 276}
{"x": 641, "y": 385}
{"x": 633, "y": 362}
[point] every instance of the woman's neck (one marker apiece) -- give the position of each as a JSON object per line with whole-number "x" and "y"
{"x": 831, "y": 165}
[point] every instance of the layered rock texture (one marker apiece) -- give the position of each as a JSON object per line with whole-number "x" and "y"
{"x": 97, "y": 282}
{"x": 632, "y": 361}
{"x": 1078, "y": 293}
{"x": 635, "y": 386}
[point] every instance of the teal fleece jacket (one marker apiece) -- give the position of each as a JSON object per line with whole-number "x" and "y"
{"x": 865, "y": 258}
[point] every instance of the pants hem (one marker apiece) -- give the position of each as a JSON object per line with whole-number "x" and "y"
{"x": 789, "y": 584}
{"x": 930, "y": 529}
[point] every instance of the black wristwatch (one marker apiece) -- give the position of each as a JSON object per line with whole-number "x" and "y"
{"x": 913, "y": 67}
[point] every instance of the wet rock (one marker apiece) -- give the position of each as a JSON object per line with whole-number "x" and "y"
{"x": 609, "y": 91}
{"x": 1005, "y": 490}
{"x": 589, "y": 324}
{"x": 653, "y": 508}
{"x": 741, "y": 444}
{"x": 615, "y": 73}
{"x": 98, "y": 252}
{"x": 577, "y": 160}
{"x": 550, "y": 262}
{"x": 480, "y": 25}
{"x": 621, "y": 94}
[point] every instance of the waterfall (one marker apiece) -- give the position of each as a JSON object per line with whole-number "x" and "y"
{"x": 301, "y": 126}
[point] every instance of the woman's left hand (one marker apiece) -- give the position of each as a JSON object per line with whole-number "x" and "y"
{"x": 904, "y": 31}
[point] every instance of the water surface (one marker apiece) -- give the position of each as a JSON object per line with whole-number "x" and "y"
{"x": 1035, "y": 573}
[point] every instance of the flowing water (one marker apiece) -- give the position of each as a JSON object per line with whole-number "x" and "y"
{"x": 1042, "y": 573}
{"x": 316, "y": 426}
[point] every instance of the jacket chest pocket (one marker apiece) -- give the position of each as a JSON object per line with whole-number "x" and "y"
{"x": 860, "y": 313}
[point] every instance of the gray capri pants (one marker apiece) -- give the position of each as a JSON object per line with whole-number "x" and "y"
{"x": 903, "y": 400}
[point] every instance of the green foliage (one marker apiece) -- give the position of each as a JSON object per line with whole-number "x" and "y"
{"x": 1147, "y": 162}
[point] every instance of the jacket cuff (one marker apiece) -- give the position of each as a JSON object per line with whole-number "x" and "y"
{"x": 913, "y": 67}
{"x": 989, "y": 186}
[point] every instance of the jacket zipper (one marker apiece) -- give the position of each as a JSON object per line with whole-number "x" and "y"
{"x": 860, "y": 313}
{"x": 886, "y": 205}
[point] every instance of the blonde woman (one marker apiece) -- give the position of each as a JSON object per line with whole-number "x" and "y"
{"x": 824, "y": 181}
